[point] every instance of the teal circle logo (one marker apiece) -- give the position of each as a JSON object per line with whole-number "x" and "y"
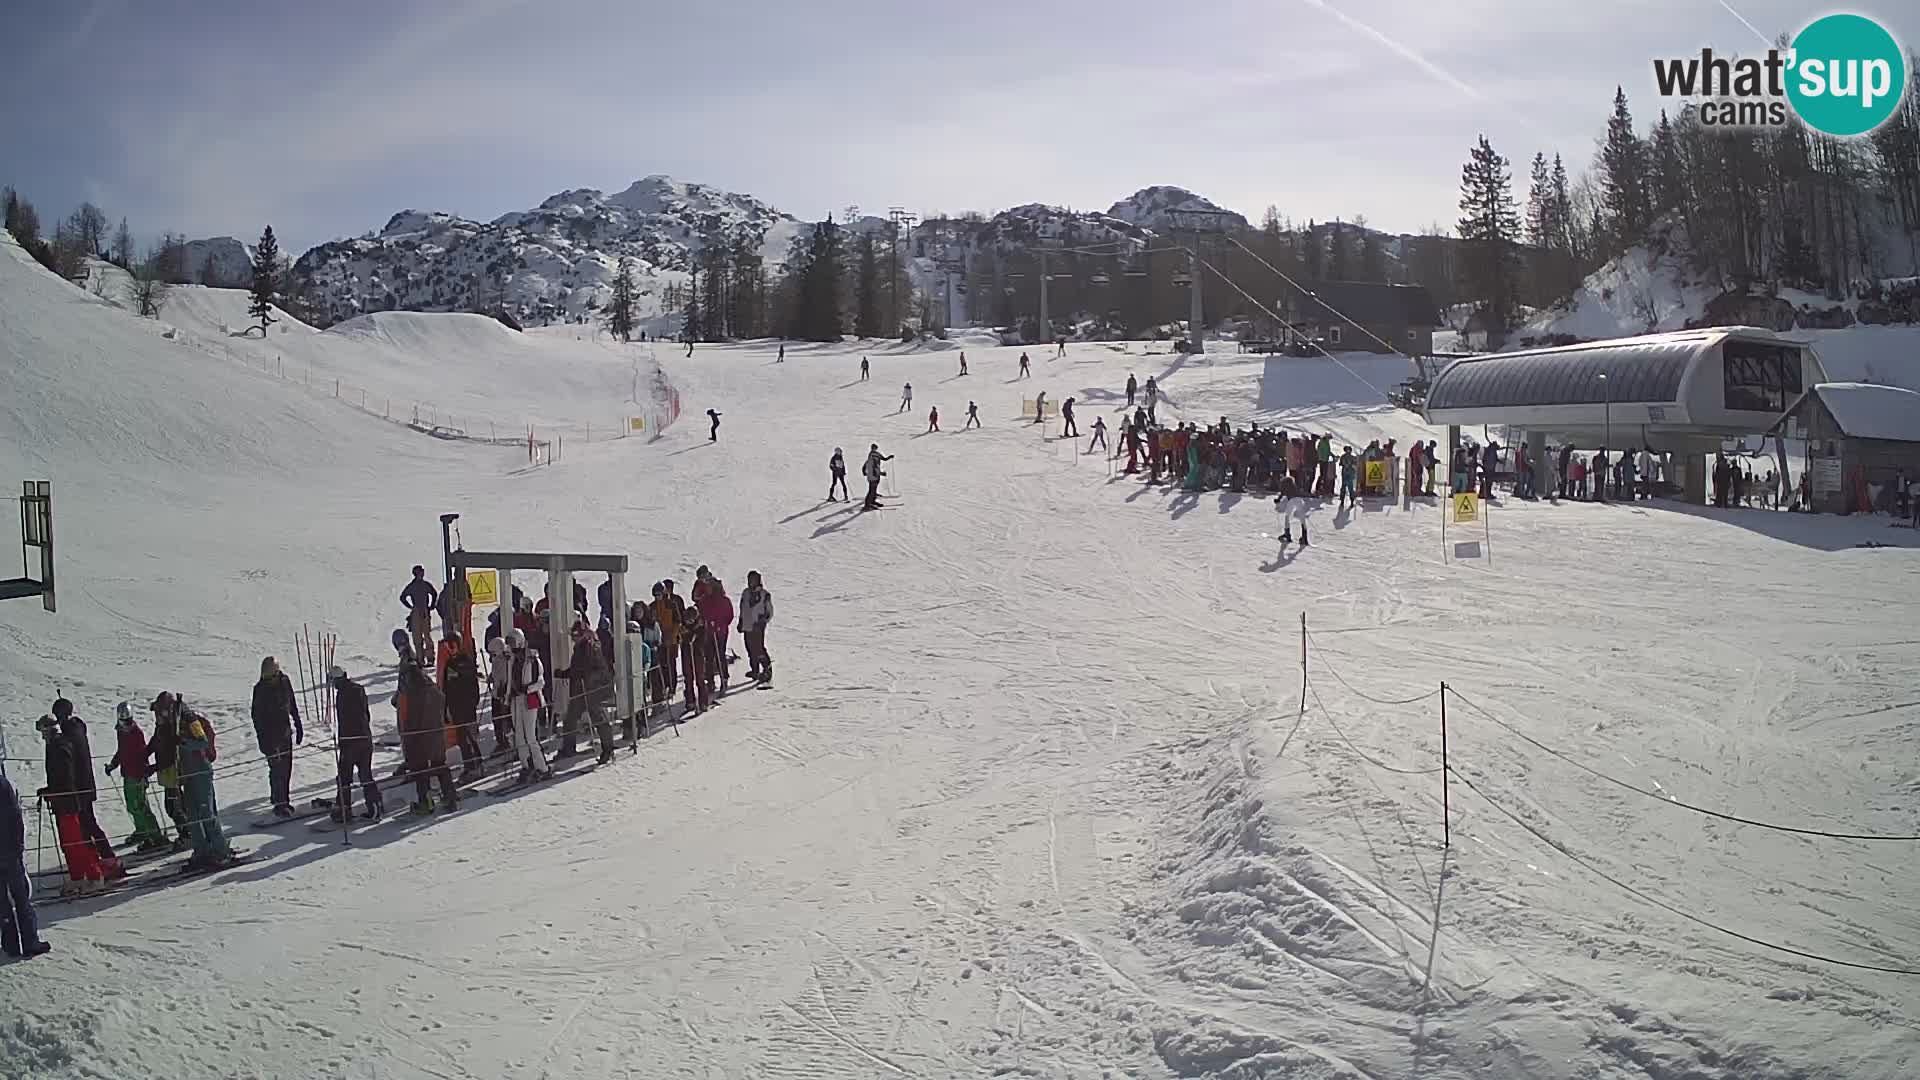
{"x": 1848, "y": 75}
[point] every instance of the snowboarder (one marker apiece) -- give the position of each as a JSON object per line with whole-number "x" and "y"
{"x": 198, "y": 752}
{"x": 1349, "y": 466}
{"x": 130, "y": 757}
{"x": 590, "y": 692}
{"x": 756, "y": 611}
{"x": 1133, "y": 387}
{"x": 1290, "y": 505}
{"x": 64, "y": 794}
{"x": 863, "y": 369}
{"x": 1025, "y": 371}
{"x": 19, "y": 928}
{"x": 906, "y": 397}
{"x": 353, "y": 724}
{"x": 460, "y": 684}
{"x": 1068, "y": 430}
{"x": 277, "y": 730}
{"x": 963, "y": 361}
{"x": 1099, "y": 434}
{"x": 973, "y": 416}
{"x": 524, "y": 678}
{"x": 873, "y": 473}
{"x": 423, "y": 738}
{"x": 418, "y": 598}
{"x": 837, "y": 473}
{"x": 713, "y": 433}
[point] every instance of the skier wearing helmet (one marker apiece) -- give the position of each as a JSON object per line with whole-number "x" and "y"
{"x": 837, "y": 473}
{"x": 525, "y": 674}
{"x": 589, "y": 692}
{"x": 130, "y": 757}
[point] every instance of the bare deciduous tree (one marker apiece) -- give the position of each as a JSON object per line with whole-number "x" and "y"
{"x": 148, "y": 290}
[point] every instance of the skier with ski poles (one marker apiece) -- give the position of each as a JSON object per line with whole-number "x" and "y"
{"x": 130, "y": 757}
{"x": 277, "y": 730}
{"x": 353, "y": 724}
{"x": 873, "y": 474}
{"x": 837, "y": 471}
{"x": 1099, "y": 434}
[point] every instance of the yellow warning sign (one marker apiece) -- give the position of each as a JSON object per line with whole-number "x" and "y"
{"x": 636, "y": 423}
{"x": 483, "y": 587}
{"x": 1376, "y": 477}
{"x": 1466, "y": 507}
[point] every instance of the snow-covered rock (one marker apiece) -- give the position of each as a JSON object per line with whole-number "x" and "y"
{"x": 1150, "y": 206}
{"x": 220, "y": 261}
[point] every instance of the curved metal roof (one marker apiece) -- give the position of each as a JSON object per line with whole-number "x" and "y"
{"x": 1638, "y": 370}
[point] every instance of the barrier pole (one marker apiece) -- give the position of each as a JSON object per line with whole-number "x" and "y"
{"x": 1446, "y": 810}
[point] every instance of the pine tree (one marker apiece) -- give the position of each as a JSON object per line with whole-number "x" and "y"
{"x": 1623, "y": 166}
{"x": 1312, "y": 253}
{"x": 11, "y": 199}
{"x": 1669, "y": 177}
{"x": 1338, "y": 268}
{"x": 817, "y": 266}
{"x": 1540, "y": 204}
{"x": 266, "y": 280}
{"x": 619, "y": 311}
{"x": 866, "y": 290}
{"x": 1560, "y": 223}
{"x": 1373, "y": 262}
{"x": 1489, "y": 230}
{"x": 692, "y": 325}
{"x": 123, "y": 246}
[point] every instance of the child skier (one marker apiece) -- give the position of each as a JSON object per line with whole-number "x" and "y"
{"x": 1290, "y": 506}
{"x": 837, "y": 471}
{"x": 130, "y": 757}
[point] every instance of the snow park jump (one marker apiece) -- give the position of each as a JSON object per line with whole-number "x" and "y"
{"x": 1160, "y": 710}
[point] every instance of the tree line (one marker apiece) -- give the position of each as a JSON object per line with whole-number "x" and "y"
{"x": 1745, "y": 209}
{"x": 84, "y": 235}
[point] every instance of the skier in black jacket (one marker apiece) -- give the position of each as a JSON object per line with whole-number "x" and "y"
{"x": 277, "y": 730}
{"x": 462, "y": 689}
{"x": 74, "y": 730}
{"x": 354, "y": 724}
{"x": 418, "y": 598}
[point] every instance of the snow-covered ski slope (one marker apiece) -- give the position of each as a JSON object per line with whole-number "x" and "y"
{"x": 1034, "y": 796}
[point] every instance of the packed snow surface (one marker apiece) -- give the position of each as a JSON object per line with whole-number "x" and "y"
{"x": 1034, "y": 795}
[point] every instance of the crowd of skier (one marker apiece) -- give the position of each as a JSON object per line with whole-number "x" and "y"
{"x": 445, "y": 701}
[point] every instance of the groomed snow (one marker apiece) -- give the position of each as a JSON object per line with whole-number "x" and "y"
{"x": 1034, "y": 795}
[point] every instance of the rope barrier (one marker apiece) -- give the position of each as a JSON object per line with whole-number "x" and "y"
{"x": 1361, "y": 694}
{"x": 1663, "y": 905}
{"x": 1669, "y": 800}
{"x": 1368, "y": 758}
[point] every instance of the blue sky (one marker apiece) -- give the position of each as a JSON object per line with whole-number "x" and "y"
{"x": 218, "y": 116}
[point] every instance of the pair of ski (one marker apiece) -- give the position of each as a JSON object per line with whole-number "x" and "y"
{"x": 584, "y": 765}
{"x": 152, "y": 879}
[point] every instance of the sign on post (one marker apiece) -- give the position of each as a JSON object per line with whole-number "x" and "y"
{"x": 1466, "y": 507}
{"x": 483, "y": 587}
{"x": 1376, "y": 477}
{"x": 636, "y": 423}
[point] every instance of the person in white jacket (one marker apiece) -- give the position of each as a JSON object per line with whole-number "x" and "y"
{"x": 756, "y": 611}
{"x": 523, "y": 690}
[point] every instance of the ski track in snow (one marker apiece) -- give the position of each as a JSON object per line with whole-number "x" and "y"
{"x": 1032, "y": 797}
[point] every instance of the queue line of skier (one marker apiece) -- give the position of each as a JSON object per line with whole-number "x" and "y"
{"x": 677, "y": 646}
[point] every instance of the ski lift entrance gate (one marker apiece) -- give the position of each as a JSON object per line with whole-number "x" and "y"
{"x": 36, "y": 531}
{"x": 560, "y": 568}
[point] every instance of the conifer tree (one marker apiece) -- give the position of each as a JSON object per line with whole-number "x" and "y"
{"x": 1338, "y": 267}
{"x": 266, "y": 280}
{"x": 619, "y": 312}
{"x": 1489, "y": 231}
{"x": 1623, "y": 166}
{"x": 866, "y": 290}
{"x": 1312, "y": 253}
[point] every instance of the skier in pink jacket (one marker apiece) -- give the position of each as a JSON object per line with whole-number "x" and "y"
{"x": 716, "y": 610}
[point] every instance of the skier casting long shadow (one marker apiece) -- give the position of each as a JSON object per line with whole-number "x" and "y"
{"x": 874, "y": 473}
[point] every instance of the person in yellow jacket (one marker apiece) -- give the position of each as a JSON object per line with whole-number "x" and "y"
{"x": 664, "y": 613}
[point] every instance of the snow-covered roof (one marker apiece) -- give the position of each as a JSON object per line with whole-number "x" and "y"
{"x": 1869, "y": 411}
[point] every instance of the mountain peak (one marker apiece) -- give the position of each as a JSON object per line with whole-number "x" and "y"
{"x": 1150, "y": 206}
